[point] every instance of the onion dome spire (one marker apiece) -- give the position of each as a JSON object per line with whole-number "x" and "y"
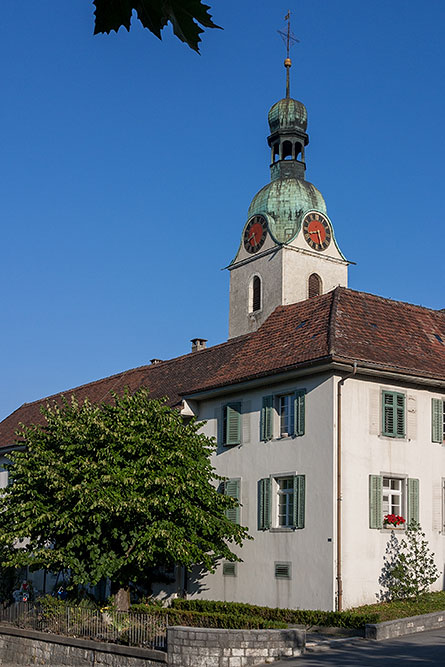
{"x": 287, "y": 123}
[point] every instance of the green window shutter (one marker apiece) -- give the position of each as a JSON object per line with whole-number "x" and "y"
{"x": 400, "y": 415}
{"x": 299, "y": 500}
{"x": 393, "y": 414}
{"x": 413, "y": 500}
{"x": 265, "y": 504}
{"x": 436, "y": 419}
{"x": 299, "y": 411}
{"x": 232, "y": 424}
{"x": 232, "y": 489}
{"x": 267, "y": 414}
{"x": 375, "y": 501}
{"x": 387, "y": 413}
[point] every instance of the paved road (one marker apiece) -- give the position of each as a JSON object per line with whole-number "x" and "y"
{"x": 422, "y": 648}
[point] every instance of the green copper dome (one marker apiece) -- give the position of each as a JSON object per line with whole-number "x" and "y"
{"x": 287, "y": 113}
{"x": 284, "y": 202}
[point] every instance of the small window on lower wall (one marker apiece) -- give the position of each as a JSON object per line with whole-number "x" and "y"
{"x": 283, "y": 570}
{"x": 229, "y": 569}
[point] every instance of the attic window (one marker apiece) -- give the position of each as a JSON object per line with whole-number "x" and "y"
{"x": 373, "y": 324}
{"x": 438, "y": 338}
{"x": 301, "y": 324}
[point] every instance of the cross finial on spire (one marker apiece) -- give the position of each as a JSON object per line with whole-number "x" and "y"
{"x": 289, "y": 39}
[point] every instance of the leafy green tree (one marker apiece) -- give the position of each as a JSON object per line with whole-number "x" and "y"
{"x": 108, "y": 490}
{"x": 184, "y": 15}
{"x": 409, "y": 568}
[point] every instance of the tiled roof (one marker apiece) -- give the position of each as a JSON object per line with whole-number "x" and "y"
{"x": 341, "y": 325}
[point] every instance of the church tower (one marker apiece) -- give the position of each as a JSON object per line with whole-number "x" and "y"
{"x": 288, "y": 251}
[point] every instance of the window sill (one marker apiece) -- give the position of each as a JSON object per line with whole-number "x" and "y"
{"x": 283, "y": 529}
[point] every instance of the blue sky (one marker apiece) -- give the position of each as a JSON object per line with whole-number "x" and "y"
{"x": 128, "y": 164}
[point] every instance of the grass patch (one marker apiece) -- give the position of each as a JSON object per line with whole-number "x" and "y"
{"x": 390, "y": 611}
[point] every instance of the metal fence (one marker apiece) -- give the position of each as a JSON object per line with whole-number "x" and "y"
{"x": 119, "y": 627}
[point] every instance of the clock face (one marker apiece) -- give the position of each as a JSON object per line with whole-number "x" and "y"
{"x": 255, "y": 233}
{"x": 317, "y": 230}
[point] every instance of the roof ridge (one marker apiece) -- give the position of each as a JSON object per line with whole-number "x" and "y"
{"x": 390, "y": 299}
{"x": 129, "y": 370}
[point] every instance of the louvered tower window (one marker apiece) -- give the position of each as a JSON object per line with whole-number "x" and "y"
{"x": 256, "y": 294}
{"x": 314, "y": 285}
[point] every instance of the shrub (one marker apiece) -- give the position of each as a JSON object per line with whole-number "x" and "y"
{"x": 408, "y": 566}
{"x": 344, "y": 619}
{"x": 234, "y": 619}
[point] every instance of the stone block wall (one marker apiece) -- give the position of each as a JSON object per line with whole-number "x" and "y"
{"x": 405, "y": 626}
{"x": 28, "y": 647}
{"x": 207, "y": 647}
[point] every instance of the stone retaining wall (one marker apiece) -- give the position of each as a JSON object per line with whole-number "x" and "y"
{"x": 405, "y": 626}
{"x": 28, "y": 647}
{"x": 207, "y": 647}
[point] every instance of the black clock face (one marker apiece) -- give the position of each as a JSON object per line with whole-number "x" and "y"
{"x": 317, "y": 230}
{"x": 255, "y": 233}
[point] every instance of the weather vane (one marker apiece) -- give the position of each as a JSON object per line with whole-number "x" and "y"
{"x": 289, "y": 39}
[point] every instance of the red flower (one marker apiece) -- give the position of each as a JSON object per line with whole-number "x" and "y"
{"x": 393, "y": 520}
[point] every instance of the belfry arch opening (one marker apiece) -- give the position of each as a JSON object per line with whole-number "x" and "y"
{"x": 315, "y": 287}
{"x": 255, "y": 289}
{"x": 287, "y": 150}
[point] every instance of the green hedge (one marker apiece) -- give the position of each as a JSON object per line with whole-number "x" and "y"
{"x": 343, "y": 619}
{"x": 234, "y": 619}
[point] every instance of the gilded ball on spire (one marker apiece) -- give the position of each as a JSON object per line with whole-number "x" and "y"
{"x": 287, "y": 62}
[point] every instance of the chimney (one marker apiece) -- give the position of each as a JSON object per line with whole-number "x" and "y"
{"x": 155, "y": 361}
{"x": 198, "y": 344}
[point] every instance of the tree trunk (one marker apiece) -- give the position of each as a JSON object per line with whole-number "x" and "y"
{"x": 122, "y": 599}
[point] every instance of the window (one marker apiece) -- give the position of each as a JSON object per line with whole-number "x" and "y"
{"x": 232, "y": 488}
{"x": 281, "y": 502}
{"x": 4, "y": 478}
{"x": 443, "y": 506}
{"x": 314, "y": 285}
{"x": 232, "y": 424}
{"x": 286, "y": 414}
{"x": 437, "y": 420}
{"x": 393, "y": 414}
{"x": 255, "y": 294}
{"x": 392, "y": 495}
{"x": 285, "y": 503}
{"x": 283, "y": 415}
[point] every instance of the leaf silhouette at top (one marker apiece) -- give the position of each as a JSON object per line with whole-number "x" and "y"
{"x": 184, "y": 15}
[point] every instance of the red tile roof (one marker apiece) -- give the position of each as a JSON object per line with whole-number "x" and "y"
{"x": 341, "y": 325}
